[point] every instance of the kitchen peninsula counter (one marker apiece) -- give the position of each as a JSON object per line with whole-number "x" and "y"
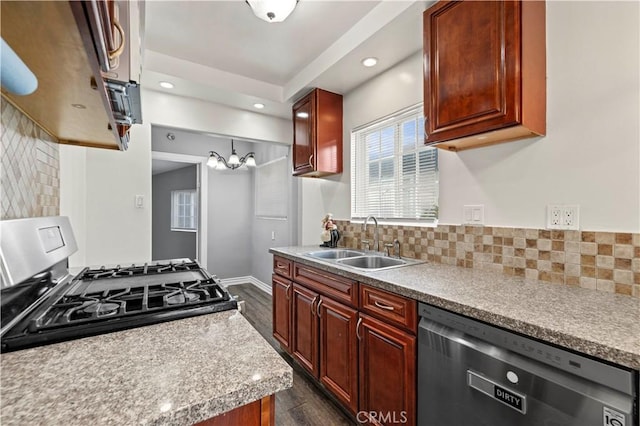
{"x": 604, "y": 325}
{"x": 177, "y": 372}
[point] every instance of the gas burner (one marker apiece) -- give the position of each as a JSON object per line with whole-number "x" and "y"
{"x": 181, "y": 297}
{"x": 101, "y": 309}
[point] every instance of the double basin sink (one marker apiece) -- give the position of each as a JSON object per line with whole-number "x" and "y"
{"x": 362, "y": 260}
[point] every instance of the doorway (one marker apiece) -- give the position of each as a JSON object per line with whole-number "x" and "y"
{"x": 178, "y": 207}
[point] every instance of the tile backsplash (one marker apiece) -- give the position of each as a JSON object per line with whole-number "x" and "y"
{"x": 605, "y": 261}
{"x": 30, "y": 176}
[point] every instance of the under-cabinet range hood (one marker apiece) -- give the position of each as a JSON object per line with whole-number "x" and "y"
{"x": 86, "y": 57}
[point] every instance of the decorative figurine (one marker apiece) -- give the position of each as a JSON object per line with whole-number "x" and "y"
{"x": 330, "y": 234}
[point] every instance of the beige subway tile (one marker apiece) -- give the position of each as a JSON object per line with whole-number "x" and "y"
{"x": 531, "y": 264}
{"x": 572, "y": 270}
{"x": 605, "y": 285}
{"x": 624, "y": 238}
{"x": 636, "y": 291}
{"x": 586, "y": 282}
{"x": 635, "y": 239}
{"x": 497, "y": 240}
{"x": 588, "y": 271}
{"x": 519, "y": 262}
{"x": 604, "y": 262}
{"x": 519, "y": 242}
{"x": 544, "y": 276}
{"x": 572, "y": 246}
{"x": 544, "y": 255}
{"x": 531, "y": 243}
{"x": 531, "y": 274}
{"x": 508, "y": 251}
{"x": 625, "y": 289}
{"x": 507, "y": 260}
{"x": 557, "y": 277}
{"x": 544, "y": 234}
{"x": 519, "y": 252}
{"x": 508, "y": 233}
{"x": 544, "y": 245}
{"x": 531, "y": 253}
{"x": 624, "y": 264}
{"x": 588, "y": 237}
{"x": 557, "y": 245}
{"x": 572, "y": 235}
{"x": 557, "y": 267}
{"x": 589, "y": 248}
{"x": 572, "y": 281}
{"x": 605, "y": 249}
{"x": 507, "y": 241}
{"x": 544, "y": 265}
{"x": 558, "y": 256}
{"x": 622, "y": 277}
{"x": 518, "y": 232}
{"x": 531, "y": 233}
{"x": 557, "y": 235}
{"x": 635, "y": 265}
{"x": 624, "y": 251}
{"x": 508, "y": 270}
{"x": 604, "y": 274}
{"x": 487, "y": 239}
{"x": 605, "y": 237}
{"x": 587, "y": 260}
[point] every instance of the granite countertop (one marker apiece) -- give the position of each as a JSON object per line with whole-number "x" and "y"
{"x": 178, "y": 373}
{"x": 596, "y": 323}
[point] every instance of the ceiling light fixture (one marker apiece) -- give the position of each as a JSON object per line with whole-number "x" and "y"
{"x": 369, "y": 62}
{"x": 166, "y": 85}
{"x": 302, "y": 114}
{"x": 217, "y": 162}
{"x": 258, "y": 105}
{"x": 272, "y": 10}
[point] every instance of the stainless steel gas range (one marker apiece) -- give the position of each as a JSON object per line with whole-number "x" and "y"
{"x": 42, "y": 302}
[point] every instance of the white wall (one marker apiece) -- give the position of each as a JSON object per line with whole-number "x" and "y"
{"x": 590, "y": 155}
{"x": 98, "y": 189}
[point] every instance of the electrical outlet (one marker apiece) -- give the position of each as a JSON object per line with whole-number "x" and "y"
{"x": 563, "y": 216}
{"x": 570, "y": 217}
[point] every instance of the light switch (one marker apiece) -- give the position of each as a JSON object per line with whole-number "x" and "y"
{"x": 473, "y": 214}
{"x": 139, "y": 202}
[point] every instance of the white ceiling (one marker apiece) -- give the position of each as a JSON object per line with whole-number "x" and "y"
{"x": 221, "y": 52}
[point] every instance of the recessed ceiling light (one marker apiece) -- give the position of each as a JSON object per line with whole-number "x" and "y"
{"x": 166, "y": 85}
{"x": 369, "y": 62}
{"x": 258, "y": 105}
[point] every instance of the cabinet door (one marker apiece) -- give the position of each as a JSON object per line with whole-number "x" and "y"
{"x": 387, "y": 372}
{"x": 303, "y": 135}
{"x": 304, "y": 327}
{"x": 281, "y": 295}
{"x": 472, "y": 61}
{"x": 339, "y": 351}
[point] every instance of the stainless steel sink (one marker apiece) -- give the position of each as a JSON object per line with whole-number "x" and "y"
{"x": 364, "y": 261}
{"x": 334, "y": 254}
{"x": 372, "y": 262}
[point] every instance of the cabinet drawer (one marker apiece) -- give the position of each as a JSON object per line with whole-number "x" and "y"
{"x": 390, "y": 307}
{"x": 334, "y": 286}
{"x": 282, "y": 266}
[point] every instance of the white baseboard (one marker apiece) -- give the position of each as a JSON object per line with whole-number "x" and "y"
{"x": 246, "y": 280}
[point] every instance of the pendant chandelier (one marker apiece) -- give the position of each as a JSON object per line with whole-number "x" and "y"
{"x": 272, "y": 10}
{"x": 217, "y": 161}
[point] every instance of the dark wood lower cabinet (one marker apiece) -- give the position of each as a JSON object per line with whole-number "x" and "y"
{"x": 339, "y": 351}
{"x": 257, "y": 413}
{"x": 387, "y": 372}
{"x": 304, "y": 328}
{"x": 281, "y": 294}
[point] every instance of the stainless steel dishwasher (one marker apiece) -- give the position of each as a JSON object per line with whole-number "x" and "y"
{"x": 474, "y": 374}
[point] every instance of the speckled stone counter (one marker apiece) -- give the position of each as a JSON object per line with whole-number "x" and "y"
{"x": 601, "y": 324}
{"x": 173, "y": 373}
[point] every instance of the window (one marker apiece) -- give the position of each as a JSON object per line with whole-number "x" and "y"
{"x": 393, "y": 175}
{"x": 184, "y": 210}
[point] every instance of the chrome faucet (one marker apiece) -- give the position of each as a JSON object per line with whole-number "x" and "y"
{"x": 375, "y": 231}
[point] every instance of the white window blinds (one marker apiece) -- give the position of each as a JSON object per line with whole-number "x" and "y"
{"x": 393, "y": 175}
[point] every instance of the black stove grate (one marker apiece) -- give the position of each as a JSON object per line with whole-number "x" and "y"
{"x": 137, "y": 270}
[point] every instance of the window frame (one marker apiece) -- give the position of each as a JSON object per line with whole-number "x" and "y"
{"x": 174, "y": 224}
{"x": 360, "y": 170}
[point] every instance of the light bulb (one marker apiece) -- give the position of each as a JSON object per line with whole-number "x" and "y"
{"x": 212, "y": 161}
{"x": 233, "y": 160}
{"x": 251, "y": 162}
{"x": 221, "y": 165}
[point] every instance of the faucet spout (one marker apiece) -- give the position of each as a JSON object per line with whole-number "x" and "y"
{"x": 375, "y": 231}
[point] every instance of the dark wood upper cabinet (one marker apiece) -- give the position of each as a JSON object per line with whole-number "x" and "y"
{"x": 317, "y": 134}
{"x": 484, "y": 72}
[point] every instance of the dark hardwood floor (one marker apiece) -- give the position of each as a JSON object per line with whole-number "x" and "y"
{"x": 303, "y": 404}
